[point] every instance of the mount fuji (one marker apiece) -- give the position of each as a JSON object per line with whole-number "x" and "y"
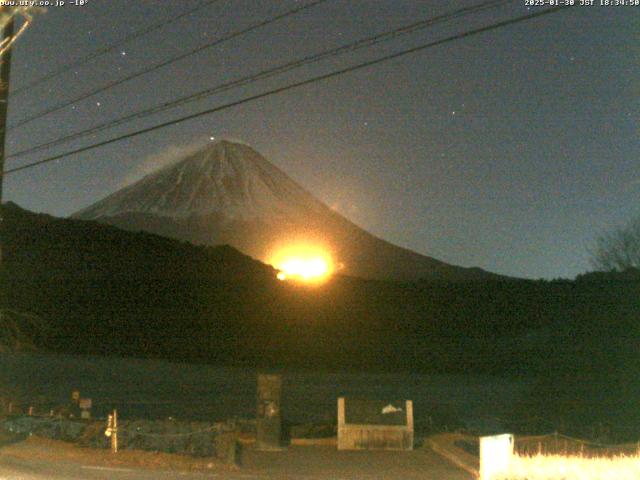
{"x": 227, "y": 193}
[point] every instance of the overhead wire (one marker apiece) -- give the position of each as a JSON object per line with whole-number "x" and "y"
{"x": 110, "y": 48}
{"x": 294, "y": 85}
{"x": 153, "y": 68}
{"x": 268, "y": 73}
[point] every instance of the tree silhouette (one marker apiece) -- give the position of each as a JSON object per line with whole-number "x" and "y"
{"x": 618, "y": 250}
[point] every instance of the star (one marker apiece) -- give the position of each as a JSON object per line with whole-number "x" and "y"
{"x": 98, "y": 104}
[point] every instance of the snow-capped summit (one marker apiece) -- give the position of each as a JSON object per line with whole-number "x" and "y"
{"x": 227, "y": 193}
{"x": 225, "y": 178}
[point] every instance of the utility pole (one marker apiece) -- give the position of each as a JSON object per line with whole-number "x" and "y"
{"x": 5, "y": 73}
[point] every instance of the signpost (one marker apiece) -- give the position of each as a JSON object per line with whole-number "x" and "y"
{"x": 85, "y": 405}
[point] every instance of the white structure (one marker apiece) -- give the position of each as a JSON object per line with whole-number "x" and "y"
{"x": 374, "y": 425}
{"x": 495, "y": 455}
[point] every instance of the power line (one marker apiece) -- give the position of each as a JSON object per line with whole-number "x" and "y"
{"x": 158, "y": 66}
{"x": 350, "y": 47}
{"x": 291, "y": 86}
{"x": 110, "y": 48}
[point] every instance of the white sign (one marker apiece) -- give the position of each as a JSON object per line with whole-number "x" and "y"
{"x": 390, "y": 409}
{"x": 495, "y": 456}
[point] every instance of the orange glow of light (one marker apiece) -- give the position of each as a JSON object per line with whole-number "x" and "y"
{"x": 303, "y": 263}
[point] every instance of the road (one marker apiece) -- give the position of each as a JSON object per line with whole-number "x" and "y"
{"x": 31, "y": 460}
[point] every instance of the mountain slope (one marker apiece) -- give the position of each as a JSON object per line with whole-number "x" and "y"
{"x": 227, "y": 193}
{"x": 226, "y": 178}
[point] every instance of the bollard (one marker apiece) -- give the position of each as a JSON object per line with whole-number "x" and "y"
{"x": 112, "y": 430}
{"x": 114, "y": 437}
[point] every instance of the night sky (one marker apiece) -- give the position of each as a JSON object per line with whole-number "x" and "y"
{"x": 510, "y": 150}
